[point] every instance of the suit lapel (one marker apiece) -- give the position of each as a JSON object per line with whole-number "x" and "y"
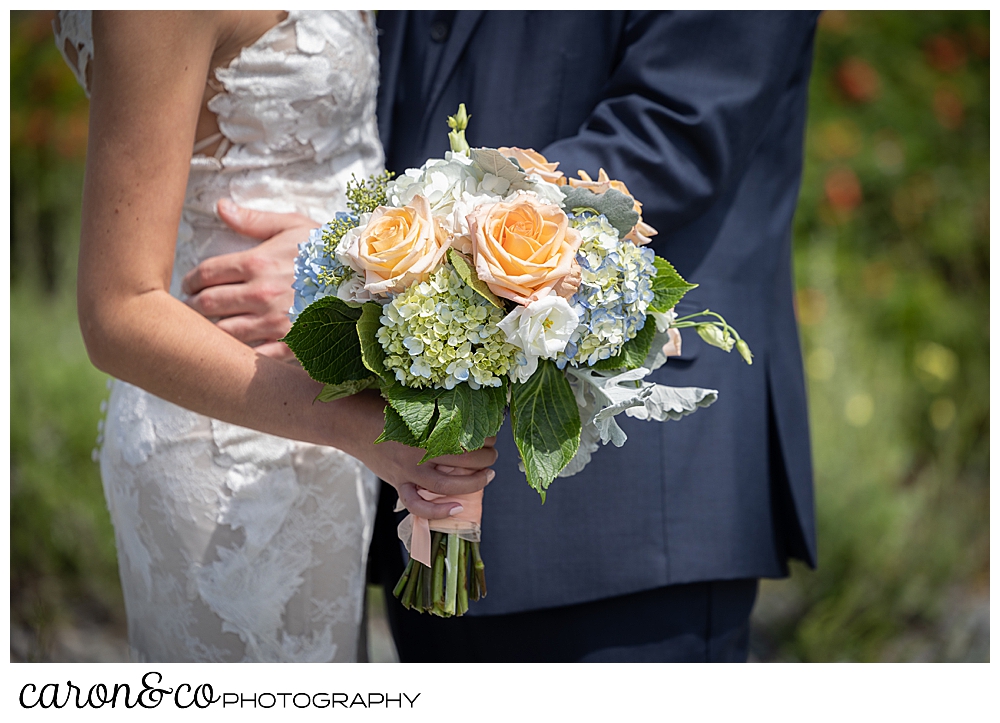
{"x": 465, "y": 24}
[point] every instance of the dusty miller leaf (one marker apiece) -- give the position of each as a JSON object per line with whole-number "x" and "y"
{"x": 492, "y": 161}
{"x": 614, "y": 205}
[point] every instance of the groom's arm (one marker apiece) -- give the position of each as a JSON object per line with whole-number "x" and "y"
{"x": 686, "y": 105}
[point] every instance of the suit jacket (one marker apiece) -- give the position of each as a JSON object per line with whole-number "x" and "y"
{"x": 702, "y": 115}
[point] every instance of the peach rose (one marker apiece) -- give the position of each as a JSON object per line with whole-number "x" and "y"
{"x": 398, "y": 247}
{"x": 641, "y": 232}
{"x": 570, "y": 283}
{"x": 534, "y": 162}
{"x": 522, "y": 248}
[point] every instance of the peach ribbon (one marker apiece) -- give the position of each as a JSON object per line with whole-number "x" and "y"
{"x": 415, "y": 532}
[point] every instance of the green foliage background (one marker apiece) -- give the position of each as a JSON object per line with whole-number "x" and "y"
{"x": 892, "y": 271}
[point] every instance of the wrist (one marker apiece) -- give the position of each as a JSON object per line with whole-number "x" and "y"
{"x": 358, "y": 422}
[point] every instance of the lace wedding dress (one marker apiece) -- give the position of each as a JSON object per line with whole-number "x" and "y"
{"x": 235, "y": 545}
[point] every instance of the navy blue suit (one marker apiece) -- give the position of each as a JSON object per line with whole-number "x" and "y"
{"x": 702, "y": 115}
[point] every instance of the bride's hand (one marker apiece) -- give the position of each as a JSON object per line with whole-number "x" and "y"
{"x": 399, "y": 465}
{"x": 250, "y": 292}
{"x": 451, "y": 475}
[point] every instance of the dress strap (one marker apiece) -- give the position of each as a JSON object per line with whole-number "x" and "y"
{"x": 206, "y": 142}
{"x": 214, "y": 138}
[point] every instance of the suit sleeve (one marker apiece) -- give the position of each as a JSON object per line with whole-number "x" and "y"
{"x": 686, "y": 105}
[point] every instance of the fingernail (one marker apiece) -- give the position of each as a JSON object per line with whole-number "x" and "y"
{"x": 455, "y": 510}
{"x": 490, "y": 474}
{"x": 226, "y": 205}
{"x": 445, "y": 468}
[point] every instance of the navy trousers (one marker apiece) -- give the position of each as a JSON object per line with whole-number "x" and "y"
{"x": 697, "y": 622}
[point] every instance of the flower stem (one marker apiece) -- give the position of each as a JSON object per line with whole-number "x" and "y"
{"x": 463, "y": 577}
{"x": 437, "y": 583}
{"x": 403, "y": 579}
{"x": 426, "y": 588}
{"x": 479, "y": 570}
{"x": 456, "y": 576}
{"x": 451, "y": 572}
{"x": 411, "y": 584}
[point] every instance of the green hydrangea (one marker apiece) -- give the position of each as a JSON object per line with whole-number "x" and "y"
{"x": 440, "y": 332}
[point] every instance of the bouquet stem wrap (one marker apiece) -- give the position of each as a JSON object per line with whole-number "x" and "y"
{"x": 445, "y": 570}
{"x": 415, "y": 532}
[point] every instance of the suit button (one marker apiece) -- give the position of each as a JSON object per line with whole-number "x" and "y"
{"x": 439, "y": 31}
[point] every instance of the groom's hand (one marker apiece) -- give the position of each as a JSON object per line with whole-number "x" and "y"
{"x": 250, "y": 292}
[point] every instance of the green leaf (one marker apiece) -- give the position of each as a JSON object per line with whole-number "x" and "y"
{"x": 446, "y": 436}
{"x": 416, "y": 407}
{"x": 633, "y": 352}
{"x": 446, "y": 421}
{"x": 483, "y": 412}
{"x": 546, "y": 423}
{"x": 465, "y": 270}
{"x": 396, "y": 430}
{"x": 668, "y": 286}
{"x": 616, "y": 206}
{"x": 372, "y": 353}
{"x": 324, "y": 339}
{"x": 345, "y": 389}
{"x": 492, "y": 161}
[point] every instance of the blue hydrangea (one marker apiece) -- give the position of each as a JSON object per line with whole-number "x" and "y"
{"x": 318, "y": 273}
{"x": 615, "y": 291}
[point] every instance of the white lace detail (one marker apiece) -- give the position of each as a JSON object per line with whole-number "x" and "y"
{"x": 235, "y": 545}
{"x": 74, "y": 30}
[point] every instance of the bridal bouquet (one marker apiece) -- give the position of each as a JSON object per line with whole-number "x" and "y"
{"x": 481, "y": 282}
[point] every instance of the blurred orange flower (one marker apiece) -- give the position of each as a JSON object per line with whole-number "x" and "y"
{"x": 949, "y": 108}
{"x": 946, "y": 52}
{"x": 842, "y": 188}
{"x": 858, "y": 80}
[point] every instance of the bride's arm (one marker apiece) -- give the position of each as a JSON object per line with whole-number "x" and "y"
{"x": 149, "y": 72}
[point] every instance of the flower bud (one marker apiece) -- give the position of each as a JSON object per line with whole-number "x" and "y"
{"x": 744, "y": 350}
{"x": 716, "y": 336}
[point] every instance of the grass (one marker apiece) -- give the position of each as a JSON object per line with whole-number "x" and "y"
{"x": 62, "y": 554}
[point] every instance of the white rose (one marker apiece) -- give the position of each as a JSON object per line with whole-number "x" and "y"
{"x": 541, "y": 330}
{"x": 345, "y": 243}
{"x": 353, "y": 291}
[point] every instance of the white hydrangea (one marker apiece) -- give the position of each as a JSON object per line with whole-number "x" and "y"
{"x": 546, "y": 191}
{"x": 443, "y": 182}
